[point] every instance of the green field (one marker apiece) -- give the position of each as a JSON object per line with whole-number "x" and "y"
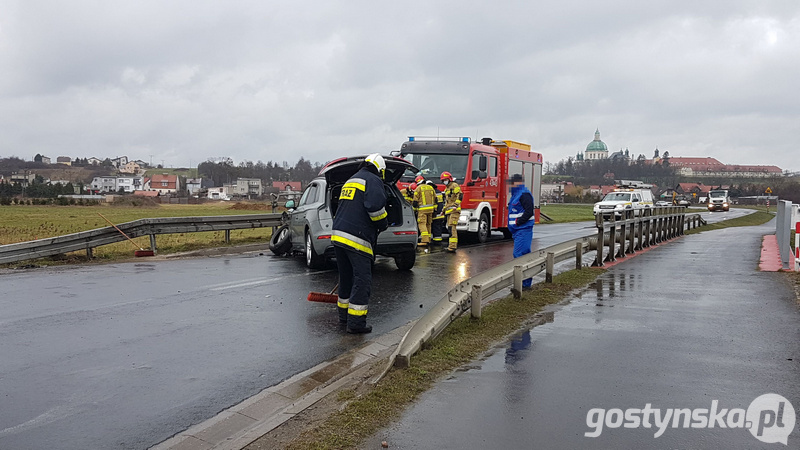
{"x": 27, "y": 223}
{"x": 567, "y": 212}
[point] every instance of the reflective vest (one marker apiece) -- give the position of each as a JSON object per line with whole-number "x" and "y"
{"x": 516, "y": 210}
{"x": 361, "y": 213}
{"x": 425, "y": 198}
{"x": 438, "y": 212}
{"x": 452, "y": 198}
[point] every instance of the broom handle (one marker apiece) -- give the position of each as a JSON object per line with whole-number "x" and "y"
{"x": 123, "y": 233}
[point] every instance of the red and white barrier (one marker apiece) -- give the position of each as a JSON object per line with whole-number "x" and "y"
{"x": 797, "y": 247}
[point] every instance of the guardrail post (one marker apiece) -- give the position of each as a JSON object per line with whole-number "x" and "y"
{"x": 598, "y": 260}
{"x": 578, "y": 256}
{"x": 612, "y": 240}
{"x": 548, "y": 274}
{"x": 153, "y": 243}
{"x": 640, "y": 229}
{"x": 632, "y": 237}
{"x": 227, "y": 236}
{"x": 517, "y": 281}
{"x": 657, "y": 234}
{"x": 89, "y": 253}
{"x": 475, "y": 301}
{"x": 681, "y": 223}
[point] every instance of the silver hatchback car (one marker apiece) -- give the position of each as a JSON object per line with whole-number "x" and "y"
{"x": 309, "y": 224}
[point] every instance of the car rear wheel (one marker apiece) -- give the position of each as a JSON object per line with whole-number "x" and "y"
{"x": 405, "y": 261}
{"x": 313, "y": 260}
{"x": 281, "y": 241}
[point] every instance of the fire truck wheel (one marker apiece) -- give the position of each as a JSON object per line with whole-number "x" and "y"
{"x": 483, "y": 228}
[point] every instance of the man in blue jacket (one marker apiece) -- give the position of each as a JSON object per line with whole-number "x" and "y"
{"x": 520, "y": 219}
{"x": 360, "y": 216}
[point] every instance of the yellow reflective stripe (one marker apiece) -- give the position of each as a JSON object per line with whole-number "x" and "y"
{"x": 424, "y": 234}
{"x": 343, "y": 302}
{"x": 351, "y": 241}
{"x": 357, "y": 310}
{"x": 355, "y": 185}
{"x": 377, "y": 215}
{"x": 453, "y": 239}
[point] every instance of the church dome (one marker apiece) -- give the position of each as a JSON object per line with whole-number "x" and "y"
{"x": 597, "y": 145}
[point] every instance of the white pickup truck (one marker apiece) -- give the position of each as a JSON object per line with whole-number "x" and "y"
{"x": 627, "y": 196}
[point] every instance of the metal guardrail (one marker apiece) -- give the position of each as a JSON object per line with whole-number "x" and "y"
{"x": 635, "y": 233}
{"x": 88, "y": 240}
{"x": 652, "y": 227}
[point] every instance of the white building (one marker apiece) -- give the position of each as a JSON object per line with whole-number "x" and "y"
{"x": 129, "y": 184}
{"x": 104, "y": 184}
{"x": 219, "y": 193}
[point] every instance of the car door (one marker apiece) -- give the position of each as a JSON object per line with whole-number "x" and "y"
{"x": 307, "y": 202}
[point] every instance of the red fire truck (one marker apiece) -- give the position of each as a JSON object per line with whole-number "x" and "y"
{"x": 482, "y": 169}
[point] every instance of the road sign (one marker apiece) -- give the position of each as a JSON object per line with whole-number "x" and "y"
{"x": 768, "y": 191}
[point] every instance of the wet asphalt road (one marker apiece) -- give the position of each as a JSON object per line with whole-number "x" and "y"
{"x": 126, "y": 355}
{"x": 676, "y": 327}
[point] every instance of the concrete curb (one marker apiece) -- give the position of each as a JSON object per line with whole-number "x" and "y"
{"x": 239, "y": 425}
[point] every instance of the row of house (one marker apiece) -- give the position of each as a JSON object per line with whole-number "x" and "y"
{"x": 121, "y": 163}
{"x": 166, "y": 184}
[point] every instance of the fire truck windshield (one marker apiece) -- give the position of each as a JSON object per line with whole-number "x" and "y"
{"x": 432, "y": 165}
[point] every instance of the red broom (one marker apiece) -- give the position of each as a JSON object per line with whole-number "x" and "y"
{"x": 324, "y": 297}
{"x": 140, "y": 251}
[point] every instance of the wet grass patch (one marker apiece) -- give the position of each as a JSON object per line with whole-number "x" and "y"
{"x": 377, "y": 406}
{"x": 567, "y": 212}
{"x": 756, "y": 218}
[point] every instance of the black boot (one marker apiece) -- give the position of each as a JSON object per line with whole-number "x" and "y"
{"x": 342, "y": 314}
{"x": 360, "y": 330}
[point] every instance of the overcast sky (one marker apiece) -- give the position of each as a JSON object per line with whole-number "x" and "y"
{"x": 183, "y": 81}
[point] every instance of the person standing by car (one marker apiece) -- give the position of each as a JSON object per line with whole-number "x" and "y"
{"x": 437, "y": 226}
{"x": 452, "y": 208}
{"x": 360, "y": 216}
{"x": 425, "y": 203}
{"x": 520, "y": 219}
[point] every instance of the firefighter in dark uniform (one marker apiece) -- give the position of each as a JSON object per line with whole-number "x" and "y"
{"x": 361, "y": 215}
{"x": 437, "y": 227}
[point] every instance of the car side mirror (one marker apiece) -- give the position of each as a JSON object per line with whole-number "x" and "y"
{"x": 289, "y": 204}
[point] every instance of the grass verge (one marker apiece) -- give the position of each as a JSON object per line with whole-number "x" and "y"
{"x": 567, "y": 212}
{"x": 27, "y": 223}
{"x": 463, "y": 341}
{"x": 756, "y": 218}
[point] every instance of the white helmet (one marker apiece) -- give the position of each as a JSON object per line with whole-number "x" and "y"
{"x": 377, "y": 159}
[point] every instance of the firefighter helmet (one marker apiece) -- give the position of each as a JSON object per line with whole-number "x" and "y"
{"x": 446, "y": 176}
{"x": 378, "y": 161}
{"x": 419, "y": 179}
{"x": 413, "y": 186}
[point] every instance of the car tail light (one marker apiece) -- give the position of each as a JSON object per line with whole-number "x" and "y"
{"x": 404, "y": 233}
{"x": 324, "y": 236}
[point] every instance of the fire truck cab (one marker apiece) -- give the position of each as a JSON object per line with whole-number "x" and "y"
{"x": 482, "y": 169}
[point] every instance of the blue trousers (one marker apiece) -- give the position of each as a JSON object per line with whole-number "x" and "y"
{"x": 523, "y": 238}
